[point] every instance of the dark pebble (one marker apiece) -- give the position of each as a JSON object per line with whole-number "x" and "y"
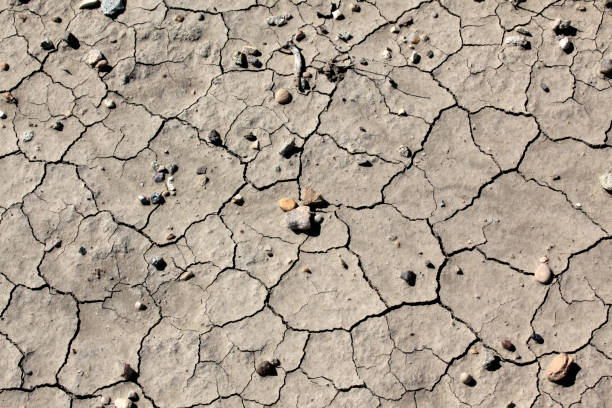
{"x": 545, "y": 87}
{"x": 144, "y": 200}
{"x": 430, "y": 265}
{"x": 82, "y": 251}
{"x": 430, "y": 54}
{"x": 507, "y": 344}
{"x": 409, "y": 277}
{"x": 173, "y": 168}
{"x": 537, "y": 338}
{"x": 201, "y": 170}
{"x": 159, "y": 263}
{"x": 214, "y": 137}
{"x": 128, "y": 372}
{"x": 47, "y": 45}
{"x": 266, "y": 368}
{"x": 57, "y": 20}
{"x": 158, "y": 177}
{"x": 157, "y": 198}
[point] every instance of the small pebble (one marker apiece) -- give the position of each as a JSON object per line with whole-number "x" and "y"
{"x": 158, "y": 262}
{"x": 89, "y": 4}
{"x": 2, "y": 115}
{"x": 415, "y": 57}
{"x": 288, "y": 148}
{"x": 93, "y": 56}
{"x": 110, "y": 104}
{"x": 282, "y": 96}
{"x": 606, "y": 67}
{"x": 318, "y": 218}
{"x": 565, "y": 44}
{"x": 434, "y": 14}
{"x": 139, "y": 306}
{"x": 179, "y": 18}
{"x": 144, "y": 200}
{"x": 104, "y": 400}
{"x": 558, "y": 367}
{"x": 82, "y": 251}
{"x": 128, "y": 372}
{"x": 28, "y": 135}
{"x": 306, "y": 270}
{"x": 466, "y": 378}
{"x": 413, "y": 37}
{"x": 47, "y": 45}
{"x": 287, "y": 204}
{"x": 405, "y": 20}
{"x": 430, "y": 264}
{"x": 57, "y": 126}
{"x": 354, "y": 8}
{"x": 430, "y": 54}
{"x": 537, "y": 338}
{"x": 265, "y": 368}
{"x": 543, "y": 273}
{"x": 112, "y": 7}
{"x": 345, "y": 36}
{"x": 337, "y": 15}
{"x": 157, "y": 198}
{"x": 159, "y": 177}
{"x": 185, "y": 276}
{"x": 133, "y": 395}
{"x": 172, "y": 168}
{"x": 201, "y": 16}
{"x": 57, "y": 19}
{"x": 518, "y": 41}
{"x": 299, "y": 35}
{"x": 544, "y": 87}
{"x": 238, "y": 199}
{"x": 507, "y": 344}
{"x": 170, "y": 236}
{"x": 605, "y": 180}
{"x": 442, "y": 203}
{"x": 409, "y": 277}
{"x": 394, "y": 29}
{"x": 298, "y": 219}
{"x": 489, "y": 360}
{"x": 4, "y": 66}
{"x": 214, "y": 137}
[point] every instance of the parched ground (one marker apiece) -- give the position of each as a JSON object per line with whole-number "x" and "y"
{"x": 454, "y": 143}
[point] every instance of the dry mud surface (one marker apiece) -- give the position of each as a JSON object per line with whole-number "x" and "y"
{"x": 446, "y": 176}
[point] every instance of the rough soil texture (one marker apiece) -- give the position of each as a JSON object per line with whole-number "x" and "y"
{"x": 459, "y": 168}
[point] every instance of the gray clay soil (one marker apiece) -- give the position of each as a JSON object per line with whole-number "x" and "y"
{"x": 438, "y": 154}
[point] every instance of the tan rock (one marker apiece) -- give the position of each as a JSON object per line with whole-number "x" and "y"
{"x": 287, "y": 203}
{"x": 558, "y": 367}
{"x": 311, "y": 197}
{"x": 542, "y": 273}
{"x": 282, "y": 96}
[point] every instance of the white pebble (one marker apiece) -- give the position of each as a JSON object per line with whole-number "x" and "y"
{"x": 565, "y": 44}
{"x": 139, "y": 306}
{"x": 2, "y": 115}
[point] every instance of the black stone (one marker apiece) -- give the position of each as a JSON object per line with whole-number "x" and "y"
{"x": 409, "y": 277}
{"x": 82, "y": 251}
{"x": 214, "y": 137}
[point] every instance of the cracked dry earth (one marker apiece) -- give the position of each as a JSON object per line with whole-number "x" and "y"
{"x": 465, "y": 166}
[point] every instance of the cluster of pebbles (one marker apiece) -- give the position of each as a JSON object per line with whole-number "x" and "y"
{"x": 300, "y": 217}
{"x": 162, "y": 173}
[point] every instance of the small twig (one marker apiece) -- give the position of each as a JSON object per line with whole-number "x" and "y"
{"x": 300, "y": 82}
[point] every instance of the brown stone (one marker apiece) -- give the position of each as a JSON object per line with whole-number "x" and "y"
{"x": 287, "y": 203}
{"x": 558, "y": 367}
{"x": 311, "y": 197}
{"x": 282, "y": 96}
{"x": 299, "y": 35}
{"x": 179, "y": 18}
{"x": 507, "y": 344}
{"x": 4, "y": 66}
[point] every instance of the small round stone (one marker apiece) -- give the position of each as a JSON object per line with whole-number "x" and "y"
{"x": 606, "y": 67}
{"x": 82, "y": 251}
{"x": 413, "y": 37}
{"x": 299, "y": 35}
{"x": 318, "y": 218}
{"x": 537, "y": 338}
{"x": 287, "y": 204}
{"x": 466, "y": 378}
{"x": 282, "y": 96}
{"x": 507, "y": 344}
{"x": 558, "y": 367}
{"x": 543, "y": 273}
{"x": 605, "y": 180}
{"x": 110, "y": 104}
{"x": 57, "y": 19}
{"x": 139, "y": 306}
{"x": 4, "y": 66}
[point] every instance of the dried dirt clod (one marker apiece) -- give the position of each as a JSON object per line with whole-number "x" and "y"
{"x": 466, "y": 378}
{"x": 507, "y": 344}
{"x": 4, "y": 66}
{"x": 543, "y": 273}
{"x": 605, "y": 180}
{"x": 266, "y": 368}
{"x": 287, "y": 204}
{"x": 298, "y": 219}
{"x": 558, "y": 367}
{"x": 282, "y": 96}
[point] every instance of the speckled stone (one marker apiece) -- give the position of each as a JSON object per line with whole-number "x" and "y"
{"x": 299, "y": 218}
{"x": 282, "y": 96}
{"x": 605, "y": 180}
{"x": 112, "y": 7}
